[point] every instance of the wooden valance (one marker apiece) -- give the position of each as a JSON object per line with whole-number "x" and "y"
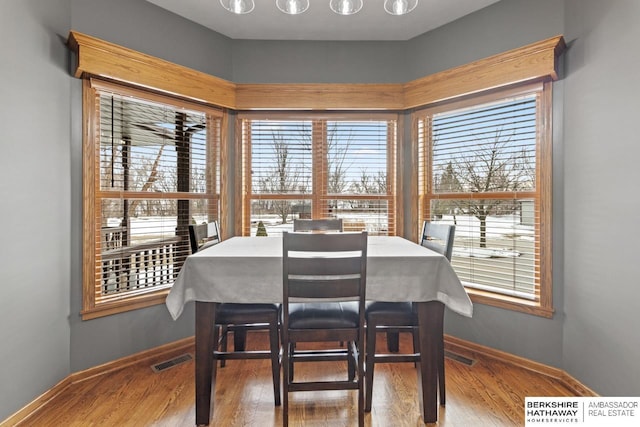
{"x": 95, "y": 57}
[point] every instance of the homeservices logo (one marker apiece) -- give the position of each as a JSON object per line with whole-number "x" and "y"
{"x": 582, "y": 411}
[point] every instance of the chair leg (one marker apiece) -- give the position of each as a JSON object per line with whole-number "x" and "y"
{"x": 239, "y": 338}
{"x": 352, "y": 360}
{"x": 369, "y": 364}
{"x": 216, "y": 337}
{"x": 415, "y": 334}
{"x": 224, "y": 334}
{"x": 441, "y": 372}
{"x": 286, "y": 380}
{"x": 360, "y": 388}
{"x": 291, "y": 350}
{"x": 275, "y": 359}
{"x": 393, "y": 342}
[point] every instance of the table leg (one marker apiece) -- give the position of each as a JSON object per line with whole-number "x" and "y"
{"x": 430, "y": 324}
{"x": 205, "y": 364}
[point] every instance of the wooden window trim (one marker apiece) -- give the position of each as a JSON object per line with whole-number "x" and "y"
{"x": 95, "y": 57}
{"x": 543, "y": 307}
{"x": 317, "y": 197}
{"x": 534, "y": 62}
{"x": 92, "y": 306}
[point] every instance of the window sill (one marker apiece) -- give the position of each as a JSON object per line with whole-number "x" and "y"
{"x": 510, "y": 303}
{"x": 128, "y": 304}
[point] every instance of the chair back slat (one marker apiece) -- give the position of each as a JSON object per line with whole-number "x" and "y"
{"x": 329, "y": 224}
{"x": 325, "y": 266}
{"x": 319, "y": 289}
{"x": 438, "y": 237}
{"x": 324, "y": 242}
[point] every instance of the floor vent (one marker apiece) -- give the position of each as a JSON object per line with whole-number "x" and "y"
{"x": 458, "y": 358}
{"x": 159, "y": 367}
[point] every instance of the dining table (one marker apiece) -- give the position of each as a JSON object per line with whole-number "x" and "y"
{"x": 249, "y": 270}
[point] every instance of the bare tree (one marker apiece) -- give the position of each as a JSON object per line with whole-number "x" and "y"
{"x": 146, "y": 173}
{"x": 337, "y": 150}
{"x": 493, "y": 167}
{"x": 284, "y": 176}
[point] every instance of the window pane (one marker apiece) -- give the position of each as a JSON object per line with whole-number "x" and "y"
{"x": 478, "y": 169}
{"x": 487, "y": 148}
{"x": 156, "y": 172}
{"x": 370, "y": 215}
{"x": 495, "y": 243}
{"x": 277, "y": 215}
{"x": 357, "y": 157}
{"x": 143, "y": 251}
{"x": 280, "y": 157}
{"x": 320, "y": 168}
{"x": 144, "y": 146}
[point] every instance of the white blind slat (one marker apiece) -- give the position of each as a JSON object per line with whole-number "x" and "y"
{"x": 147, "y": 149}
{"x": 487, "y": 148}
{"x": 307, "y": 168}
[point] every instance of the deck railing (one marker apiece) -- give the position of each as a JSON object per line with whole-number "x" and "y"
{"x": 144, "y": 266}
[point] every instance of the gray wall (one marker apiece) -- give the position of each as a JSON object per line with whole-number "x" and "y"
{"x": 602, "y": 272}
{"x": 141, "y": 26}
{"x": 506, "y": 25}
{"x": 256, "y": 61}
{"x": 44, "y": 339}
{"x": 35, "y": 188}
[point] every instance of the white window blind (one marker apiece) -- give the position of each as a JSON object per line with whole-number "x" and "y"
{"x": 156, "y": 173}
{"x": 319, "y": 168}
{"x": 479, "y": 171}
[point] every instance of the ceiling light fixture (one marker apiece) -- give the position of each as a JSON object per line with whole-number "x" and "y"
{"x": 341, "y": 7}
{"x": 239, "y": 7}
{"x": 345, "y": 7}
{"x": 292, "y": 7}
{"x": 400, "y": 7}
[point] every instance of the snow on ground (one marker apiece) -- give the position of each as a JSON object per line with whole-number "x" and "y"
{"x": 498, "y": 228}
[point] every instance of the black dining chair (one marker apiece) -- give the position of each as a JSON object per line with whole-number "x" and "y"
{"x": 393, "y": 318}
{"x": 319, "y": 225}
{"x": 329, "y": 270}
{"x": 203, "y": 235}
{"x": 240, "y": 317}
{"x": 328, "y": 224}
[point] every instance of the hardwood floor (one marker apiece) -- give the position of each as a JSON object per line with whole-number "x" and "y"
{"x": 488, "y": 393}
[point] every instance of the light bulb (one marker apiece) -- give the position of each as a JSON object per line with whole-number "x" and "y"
{"x": 292, "y": 7}
{"x": 345, "y": 7}
{"x": 400, "y": 7}
{"x": 239, "y": 7}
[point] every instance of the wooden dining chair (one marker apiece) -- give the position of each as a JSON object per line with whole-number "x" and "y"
{"x": 241, "y": 317}
{"x": 395, "y": 317}
{"x": 328, "y": 270}
{"x": 203, "y": 235}
{"x": 328, "y": 224}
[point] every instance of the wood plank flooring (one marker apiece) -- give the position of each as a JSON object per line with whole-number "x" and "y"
{"x": 488, "y": 393}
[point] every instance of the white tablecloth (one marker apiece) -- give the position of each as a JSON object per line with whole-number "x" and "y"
{"x": 249, "y": 270}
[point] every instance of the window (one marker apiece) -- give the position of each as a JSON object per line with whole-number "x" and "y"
{"x": 318, "y": 167}
{"x": 151, "y": 168}
{"x": 485, "y": 166}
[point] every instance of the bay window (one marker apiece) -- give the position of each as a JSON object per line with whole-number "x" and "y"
{"x": 318, "y": 166}
{"x": 151, "y": 168}
{"x": 485, "y": 166}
